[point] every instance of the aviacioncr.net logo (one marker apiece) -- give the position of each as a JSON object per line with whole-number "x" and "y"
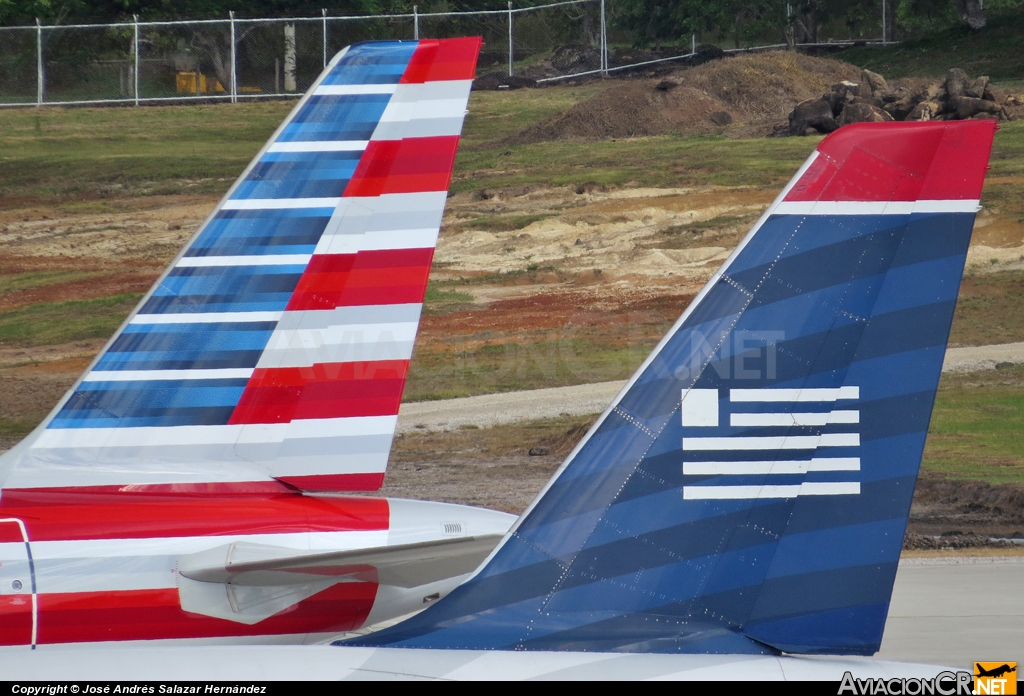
{"x": 942, "y": 684}
{"x": 995, "y": 678}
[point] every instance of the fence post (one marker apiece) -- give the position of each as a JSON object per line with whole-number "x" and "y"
{"x": 604, "y": 43}
{"x": 234, "y": 61}
{"x": 289, "y": 57}
{"x": 883, "y": 22}
{"x": 416, "y": 22}
{"x": 39, "y": 62}
{"x": 323, "y": 11}
{"x": 693, "y": 44}
{"x": 510, "y": 38}
{"x": 135, "y": 83}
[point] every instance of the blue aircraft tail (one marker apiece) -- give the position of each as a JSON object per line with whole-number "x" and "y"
{"x": 748, "y": 490}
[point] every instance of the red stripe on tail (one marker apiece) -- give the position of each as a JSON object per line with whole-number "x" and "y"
{"x": 938, "y": 161}
{"x": 367, "y": 278}
{"x": 410, "y": 165}
{"x": 325, "y": 390}
{"x": 444, "y": 59}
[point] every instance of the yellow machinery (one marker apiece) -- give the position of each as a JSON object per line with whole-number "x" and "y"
{"x": 186, "y": 84}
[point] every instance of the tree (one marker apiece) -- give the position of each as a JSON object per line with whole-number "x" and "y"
{"x": 971, "y": 14}
{"x": 654, "y": 21}
{"x": 15, "y": 12}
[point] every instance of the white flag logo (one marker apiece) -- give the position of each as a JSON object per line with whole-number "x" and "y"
{"x": 770, "y": 454}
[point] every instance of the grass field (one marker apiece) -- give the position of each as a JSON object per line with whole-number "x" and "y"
{"x": 977, "y": 428}
{"x": 52, "y": 323}
{"x": 80, "y": 161}
{"x": 61, "y": 156}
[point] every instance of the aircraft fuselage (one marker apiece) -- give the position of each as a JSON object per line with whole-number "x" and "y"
{"x": 104, "y": 565}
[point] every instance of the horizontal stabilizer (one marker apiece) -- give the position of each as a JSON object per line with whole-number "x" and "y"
{"x": 403, "y": 565}
{"x": 244, "y": 604}
{"x": 246, "y": 582}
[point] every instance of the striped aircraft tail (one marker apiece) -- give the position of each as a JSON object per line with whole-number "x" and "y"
{"x": 748, "y": 490}
{"x": 277, "y": 344}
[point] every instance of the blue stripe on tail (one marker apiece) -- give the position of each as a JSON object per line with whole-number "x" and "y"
{"x": 749, "y": 492}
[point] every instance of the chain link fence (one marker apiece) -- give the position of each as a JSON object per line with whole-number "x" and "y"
{"x": 18, "y": 69}
{"x": 234, "y": 58}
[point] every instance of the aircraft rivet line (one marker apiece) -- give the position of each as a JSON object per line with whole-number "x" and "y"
{"x": 736, "y": 285}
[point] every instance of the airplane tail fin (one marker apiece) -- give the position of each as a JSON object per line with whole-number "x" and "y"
{"x": 749, "y": 488}
{"x": 275, "y": 348}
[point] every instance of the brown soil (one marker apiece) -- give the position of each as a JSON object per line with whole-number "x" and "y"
{"x": 149, "y": 231}
{"x": 757, "y": 90}
{"x": 487, "y": 467}
{"x": 622, "y": 232}
{"x": 963, "y": 508}
{"x": 30, "y": 396}
{"x": 106, "y": 279}
{"x": 552, "y": 308}
{"x": 491, "y": 467}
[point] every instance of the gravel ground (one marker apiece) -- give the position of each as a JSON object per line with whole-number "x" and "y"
{"x": 974, "y": 358}
{"x": 511, "y": 407}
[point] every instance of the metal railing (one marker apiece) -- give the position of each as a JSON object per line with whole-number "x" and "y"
{"x": 234, "y": 59}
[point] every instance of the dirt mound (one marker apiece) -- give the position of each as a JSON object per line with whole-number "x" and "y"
{"x": 757, "y": 91}
{"x": 951, "y": 542}
{"x": 949, "y": 508}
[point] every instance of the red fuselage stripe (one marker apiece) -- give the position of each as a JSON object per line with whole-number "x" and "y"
{"x": 55, "y": 516}
{"x": 214, "y": 488}
{"x": 336, "y": 482}
{"x": 87, "y": 617}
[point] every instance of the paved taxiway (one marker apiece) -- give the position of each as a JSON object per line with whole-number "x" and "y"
{"x": 955, "y": 611}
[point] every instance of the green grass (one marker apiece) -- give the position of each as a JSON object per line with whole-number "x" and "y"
{"x": 507, "y": 223}
{"x": 661, "y": 161}
{"x": 91, "y": 155}
{"x": 53, "y": 323}
{"x": 16, "y": 282}
{"x": 439, "y": 300}
{"x": 993, "y": 51}
{"x": 977, "y": 428}
{"x": 504, "y": 366}
{"x": 436, "y": 293}
{"x": 676, "y": 161}
{"x": 16, "y": 427}
{"x": 493, "y": 116}
{"x": 54, "y": 153}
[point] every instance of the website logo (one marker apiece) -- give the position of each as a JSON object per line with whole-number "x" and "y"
{"x": 995, "y": 677}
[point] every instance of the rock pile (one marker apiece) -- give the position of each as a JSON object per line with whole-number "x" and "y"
{"x": 954, "y": 98}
